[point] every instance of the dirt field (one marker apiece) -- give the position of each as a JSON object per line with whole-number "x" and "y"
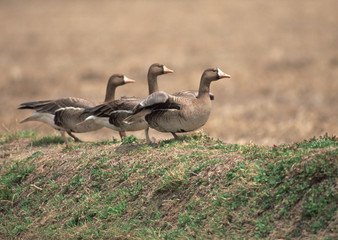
{"x": 282, "y": 56}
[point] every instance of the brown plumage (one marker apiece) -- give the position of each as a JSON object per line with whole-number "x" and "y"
{"x": 65, "y": 113}
{"x": 111, "y": 114}
{"x": 178, "y": 113}
{"x": 191, "y": 94}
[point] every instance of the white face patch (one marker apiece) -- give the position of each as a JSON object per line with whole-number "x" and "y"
{"x": 219, "y": 72}
{"x": 124, "y": 79}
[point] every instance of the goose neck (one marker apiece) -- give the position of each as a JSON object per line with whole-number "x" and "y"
{"x": 110, "y": 93}
{"x": 204, "y": 88}
{"x": 152, "y": 83}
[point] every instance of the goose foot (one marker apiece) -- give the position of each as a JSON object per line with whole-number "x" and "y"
{"x": 175, "y": 136}
{"x": 63, "y": 135}
{"x": 74, "y": 137}
{"x": 122, "y": 134}
{"x": 146, "y": 130}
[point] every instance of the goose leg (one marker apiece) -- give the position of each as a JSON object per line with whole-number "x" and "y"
{"x": 146, "y": 130}
{"x": 175, "y": 135}
{"x": 63, "y": 135}
{"x": 74, "y": 137}
{"x": 122, "y": 134}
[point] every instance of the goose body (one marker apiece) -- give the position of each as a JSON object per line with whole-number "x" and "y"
{"x": 187, "y": 117}
{"x": 45, "y": 110}
{"x": 64, "y": 114}
{"x": 68, "y": 118}
{"x": 181, "y": 112}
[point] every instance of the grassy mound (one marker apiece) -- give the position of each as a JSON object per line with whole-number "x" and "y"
{"x": 196, "y": 187}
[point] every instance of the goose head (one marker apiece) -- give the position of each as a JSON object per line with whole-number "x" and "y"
{"x": 208, "y": 76}
{"x": 214, "y": 74}
{"x": 157, "y": 69}
{"x": 113, "y": 82}
{"x": 119, "y": 80}
{"x": 154, "y": 71}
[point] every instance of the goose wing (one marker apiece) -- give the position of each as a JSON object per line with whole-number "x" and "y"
{"x": 105, "y": 109}
{"x": 50, "y": 106}
{"x": 156, "y": 101}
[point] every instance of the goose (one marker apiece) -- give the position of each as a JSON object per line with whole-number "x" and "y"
{"x": 63, "y": 114}
{"x": 177, "y": 113}
{"x": 111, "y": 114}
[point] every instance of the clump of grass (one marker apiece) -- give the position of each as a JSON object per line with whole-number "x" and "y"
{"x": 17, "y": 171}
{"x": 129, "y": 139}
{"x": 15, "y": 135}
{"x": 173, "y": 179}
{"x": 47, "y": 140}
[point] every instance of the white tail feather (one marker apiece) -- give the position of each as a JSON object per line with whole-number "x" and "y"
{"x": 90, "y": 118}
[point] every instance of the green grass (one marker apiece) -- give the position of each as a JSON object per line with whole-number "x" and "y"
{"x": 37, "y": 140}
{"x": 47, "y": 140}
{"x": 11, "y": 136}
{"x": 196, "y": 187}
{"x": 129, "y": 139}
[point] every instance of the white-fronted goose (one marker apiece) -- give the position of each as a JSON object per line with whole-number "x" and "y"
{"x": 175, "y": 114}
{"x": 111, "y": 114}
{"x": 64, "y": 114}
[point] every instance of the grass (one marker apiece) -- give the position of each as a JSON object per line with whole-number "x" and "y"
{"x": 11, "y": 136}
{"x": 196, "y": 187}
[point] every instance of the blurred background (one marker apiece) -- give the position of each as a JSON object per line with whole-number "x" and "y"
{"x": 282, "y": 56}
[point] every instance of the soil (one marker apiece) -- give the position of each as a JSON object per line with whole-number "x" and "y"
{"x": 282, "y": 56}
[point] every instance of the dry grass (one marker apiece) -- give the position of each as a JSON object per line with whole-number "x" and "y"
{"x": 282, "y": 57}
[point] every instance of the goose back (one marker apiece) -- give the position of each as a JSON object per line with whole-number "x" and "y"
{"x": 104, "y": 109}
{"x": 191, "y": 94}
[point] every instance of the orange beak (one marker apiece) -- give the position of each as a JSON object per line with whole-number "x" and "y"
{"x": 167, "y": 70}
{"x": 128, "y": 80}
{"x": 222, "y": 74}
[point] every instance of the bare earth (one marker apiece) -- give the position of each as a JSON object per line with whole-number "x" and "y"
{"x": 282, "y": 56}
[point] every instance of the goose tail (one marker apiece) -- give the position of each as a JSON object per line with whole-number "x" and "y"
{"x": 28, "y": 119}
{"x": 137, "y": 116}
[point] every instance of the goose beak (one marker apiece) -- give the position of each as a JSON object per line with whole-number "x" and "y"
{"x": 222, "y": 74}
{"x": 167, "y": 70}
{"x": 127, "y": 80}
